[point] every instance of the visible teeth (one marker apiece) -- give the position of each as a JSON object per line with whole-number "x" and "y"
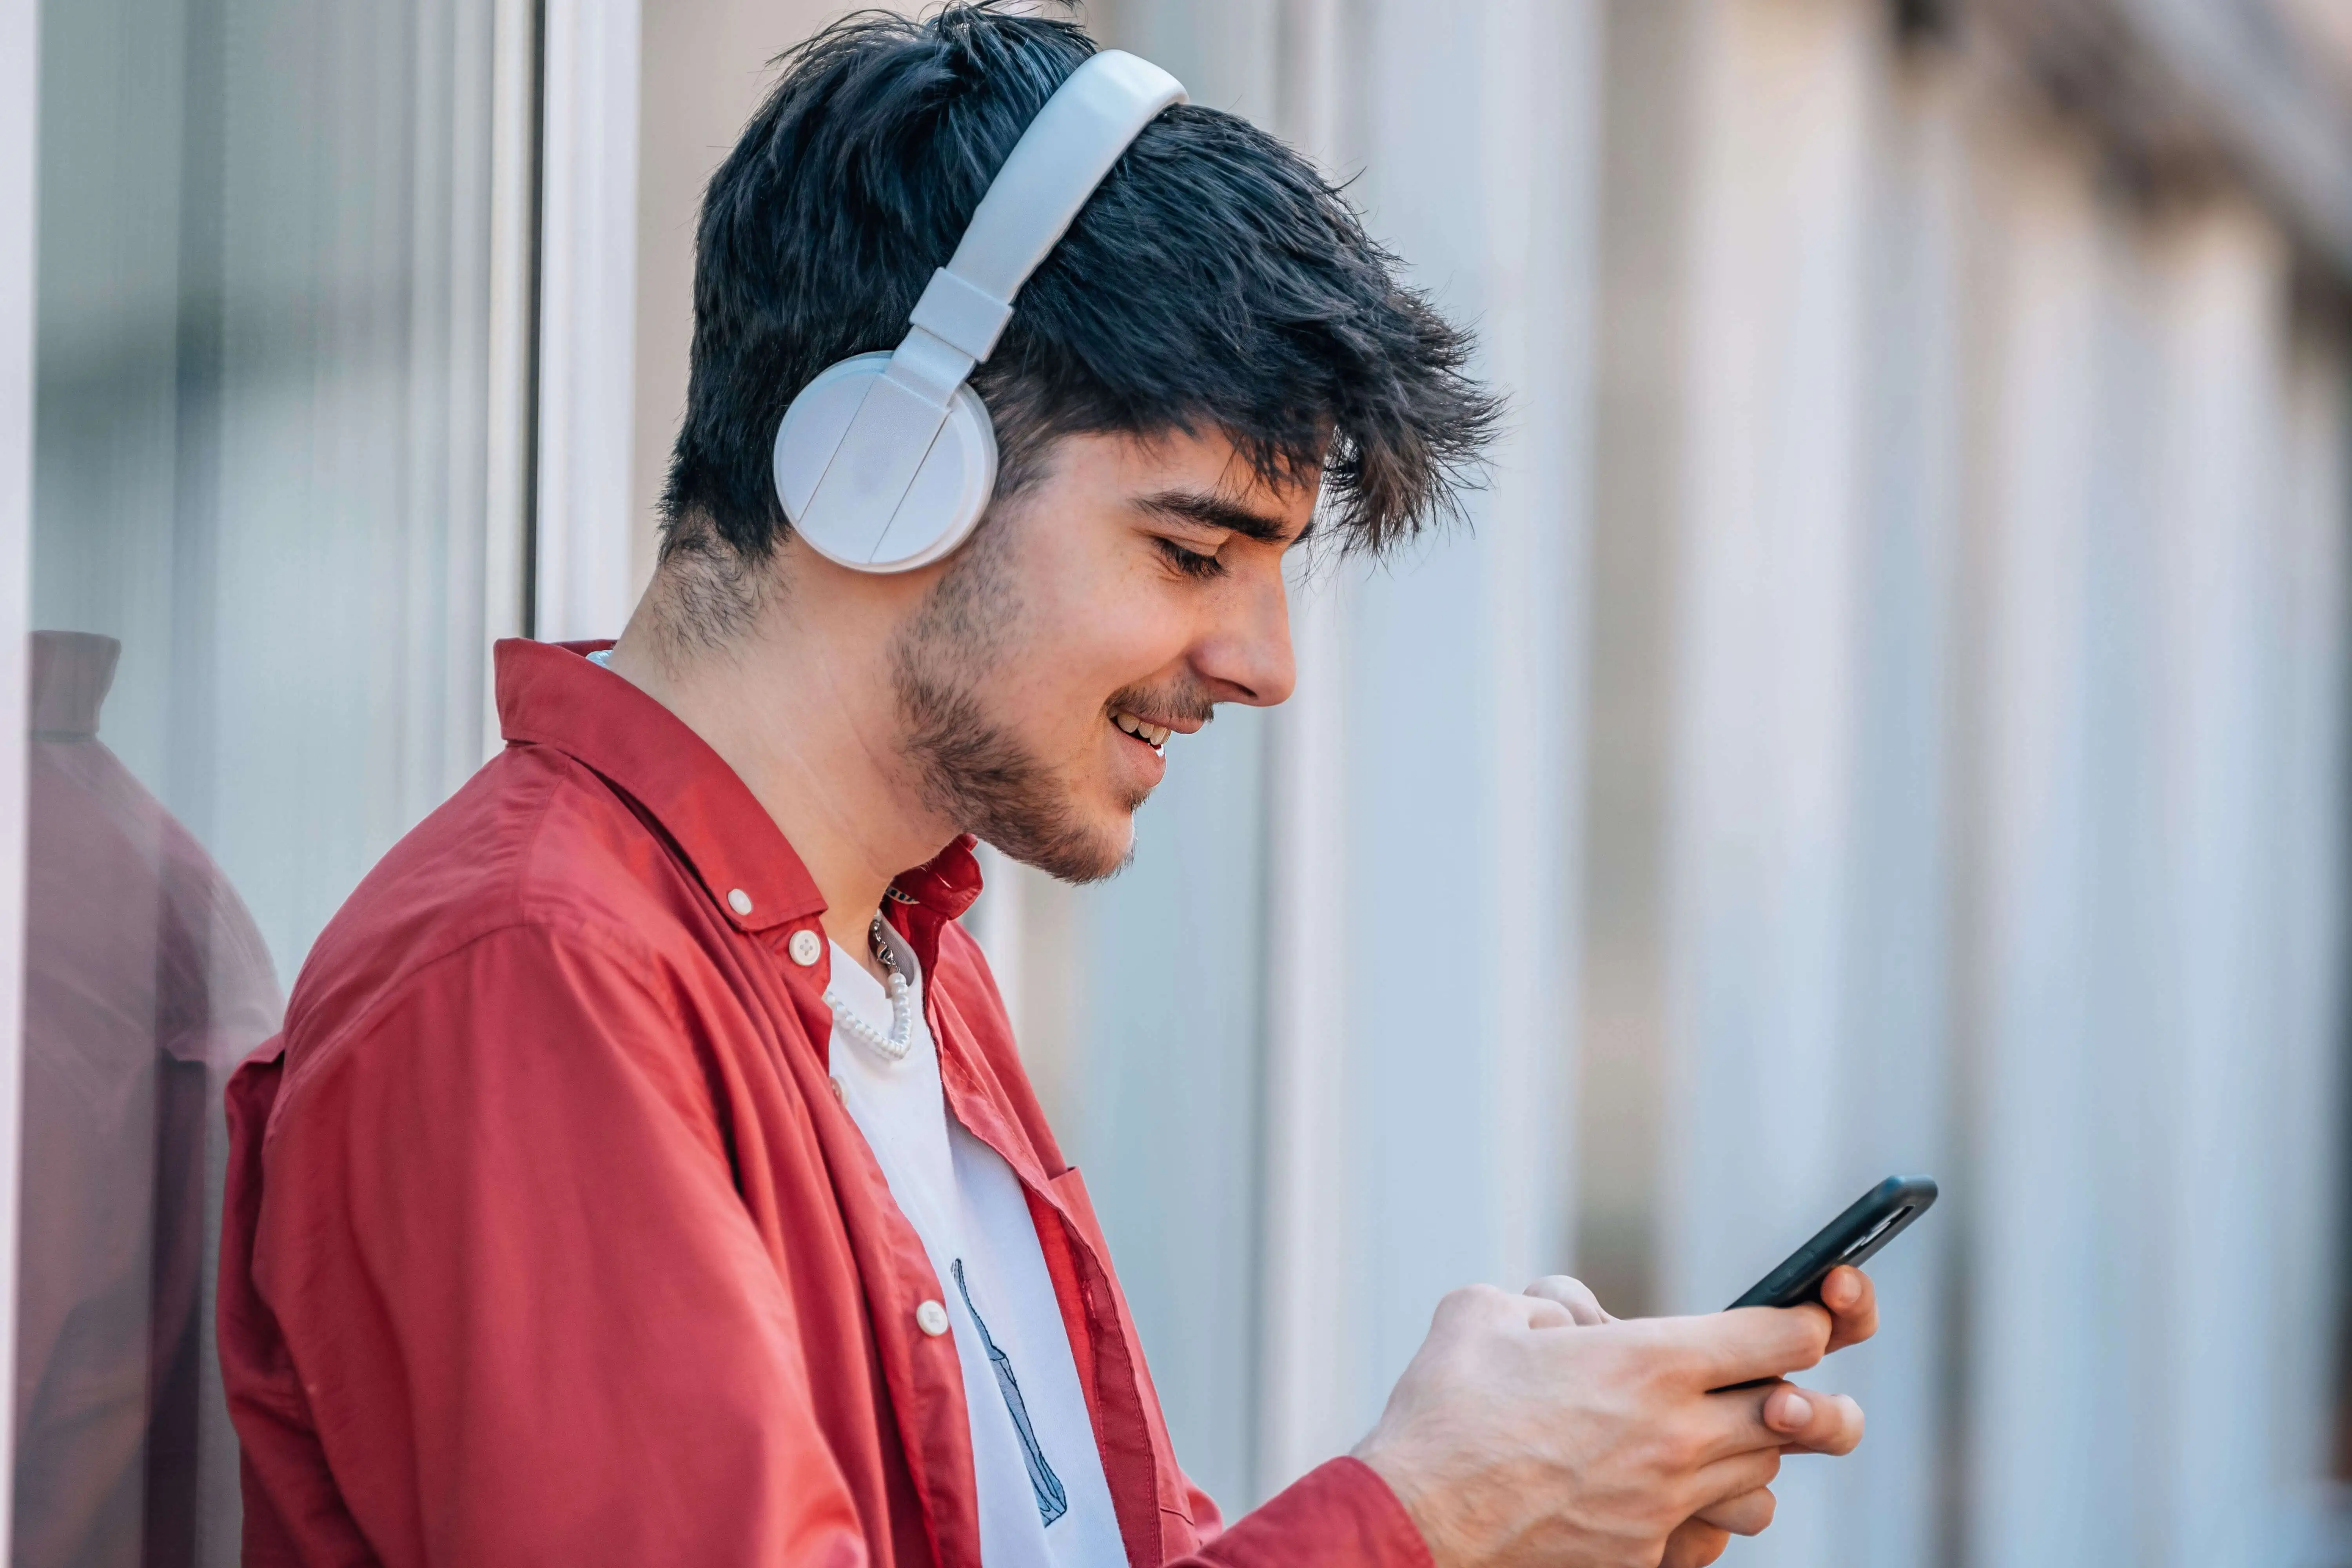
{"x": 1152, "y": 735}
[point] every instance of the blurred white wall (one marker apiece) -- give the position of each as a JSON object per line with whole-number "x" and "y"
{"x": 1993, "y": 673}
{"x": 2150, "y": 1072}
{"x": 584, "y": 559}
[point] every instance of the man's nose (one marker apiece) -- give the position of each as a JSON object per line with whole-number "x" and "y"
{"x": 1245, "y": 657}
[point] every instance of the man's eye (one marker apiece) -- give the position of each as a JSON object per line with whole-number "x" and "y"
{"x": 1192, "y": 563}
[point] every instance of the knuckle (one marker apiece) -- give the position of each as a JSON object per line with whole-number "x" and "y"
{"x": 1809, "y": 1338}
{"x": 1681, "y": 1446}
{"x": 1548, "y": 1312}
{"x": 1470, "y": 1302}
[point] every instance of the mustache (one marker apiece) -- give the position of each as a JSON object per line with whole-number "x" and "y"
{"x": 1186, "y": 699}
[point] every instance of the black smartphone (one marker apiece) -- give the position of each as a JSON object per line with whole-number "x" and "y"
{"x": 1877, "y": 1217}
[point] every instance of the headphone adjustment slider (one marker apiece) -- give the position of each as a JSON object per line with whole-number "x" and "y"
{"x": 961, "y": 314}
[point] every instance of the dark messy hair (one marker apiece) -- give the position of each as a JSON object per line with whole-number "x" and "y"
{"x": 1214, "y": 281}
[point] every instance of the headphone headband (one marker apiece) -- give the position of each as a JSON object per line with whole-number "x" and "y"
{"x": 849, "y": 507}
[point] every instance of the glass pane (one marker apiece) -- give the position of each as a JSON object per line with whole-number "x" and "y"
{"x": 258, "y": 576}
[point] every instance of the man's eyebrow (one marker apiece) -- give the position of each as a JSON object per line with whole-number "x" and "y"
{"x": 1212, "y": 512}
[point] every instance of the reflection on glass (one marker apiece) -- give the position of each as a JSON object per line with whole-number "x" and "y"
{"x": 145, "y": 982}
{"x": 261, "y": 503}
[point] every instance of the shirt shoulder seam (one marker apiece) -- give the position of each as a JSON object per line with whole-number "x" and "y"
{"x": 362, "y": 1024}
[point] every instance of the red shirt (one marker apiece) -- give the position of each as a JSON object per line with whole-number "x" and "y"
{"x": 547, "y": 1242}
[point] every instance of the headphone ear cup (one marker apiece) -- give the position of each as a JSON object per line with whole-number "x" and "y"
{"x": 941, "y": 507}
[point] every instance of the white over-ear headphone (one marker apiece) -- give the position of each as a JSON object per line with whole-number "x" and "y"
{"x": 886, "y": 461}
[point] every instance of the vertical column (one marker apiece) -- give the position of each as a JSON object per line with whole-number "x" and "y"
{"x": 20, "y": 57}
{"x": 1891, "y": 1091}
{"x": 1808, "y": 866}
{"x": 588, "y": 241}
{"x": 1766, "y": 621}
{"x": 1308, "y": 1407}
{"x": 1638, "y": 412}
{"x": 1770, "y": 744}
{"x": 509, "y": 440}
{"x": 2305, "y": 1275}
{"x": 2222, "y": 601}
{"x": 1307, "y": 1353}
{"x": 2048, "y": 1468}
{"x": 1476, "y": 133}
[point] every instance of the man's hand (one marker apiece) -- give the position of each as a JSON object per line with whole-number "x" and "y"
{"x": 1853, "y": 1303}
{"x": 1509, "y": 1440}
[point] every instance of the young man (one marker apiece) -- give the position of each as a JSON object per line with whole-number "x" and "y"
{"x": 647, "y": 1172}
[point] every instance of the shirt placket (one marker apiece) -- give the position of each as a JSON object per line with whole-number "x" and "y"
{"x": 912, "y": 1335}
{"x": 1113, "y": 1394}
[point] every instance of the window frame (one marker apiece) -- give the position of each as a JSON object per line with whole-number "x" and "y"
{"x": 20, "y": 55}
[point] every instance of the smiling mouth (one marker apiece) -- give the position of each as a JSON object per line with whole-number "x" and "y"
{"x": 1152, "y": 735}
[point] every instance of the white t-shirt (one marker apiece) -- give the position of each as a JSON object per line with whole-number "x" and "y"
{"x": 1042, "y": 1499}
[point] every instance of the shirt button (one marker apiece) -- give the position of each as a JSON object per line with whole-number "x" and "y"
{"x": 805, "y": 947}
{"x": 933, "y": 1319}
{"x": 835, "y": 1084}
{"x": 739, "y": 901}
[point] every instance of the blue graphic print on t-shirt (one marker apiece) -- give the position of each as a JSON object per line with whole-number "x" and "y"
{"x": 1052, "y": 1503}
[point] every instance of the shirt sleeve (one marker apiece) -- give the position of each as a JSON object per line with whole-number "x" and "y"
{"x": 531, "y": 1319}
{"x": 1339, "y": 1515}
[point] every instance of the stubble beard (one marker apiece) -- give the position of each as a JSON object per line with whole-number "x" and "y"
{"x": 969, "y": 768}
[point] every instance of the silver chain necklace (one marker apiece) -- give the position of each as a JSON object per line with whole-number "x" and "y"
{"x": 894, "y": 1046}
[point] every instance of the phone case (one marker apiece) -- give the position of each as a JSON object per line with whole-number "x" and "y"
{"x": 1855, "y": 1237}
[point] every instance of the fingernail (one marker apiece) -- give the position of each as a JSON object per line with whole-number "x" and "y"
{"x": 1795, "y": 1412}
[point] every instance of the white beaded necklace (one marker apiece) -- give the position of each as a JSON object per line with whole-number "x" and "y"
{"x": 894, "y": 1046}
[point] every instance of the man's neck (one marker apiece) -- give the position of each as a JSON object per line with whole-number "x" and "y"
{"x": 803, "y": 728}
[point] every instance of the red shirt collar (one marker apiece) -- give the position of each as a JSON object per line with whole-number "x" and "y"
{"x": 550, "y": 695}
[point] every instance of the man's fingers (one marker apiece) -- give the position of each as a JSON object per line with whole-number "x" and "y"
{"x": 1853, "y": 1301}
{"x": 1694, "y": 1544}
{"x": 1813, "y": 1423}
{"x": 1727, "y": 1479}
{"x": 1750, "y": 1513}
{"x": 1582, "y": 1306}
{"x": 1488, "y": 1307}
{"x": 1779, "y": 1415}
{"x": 1723, "y": 1350}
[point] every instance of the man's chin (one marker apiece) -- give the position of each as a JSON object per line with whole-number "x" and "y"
{"x": 1074, "y": 852}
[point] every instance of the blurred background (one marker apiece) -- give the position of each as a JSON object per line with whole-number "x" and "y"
{"x": 1887, "y": 714}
